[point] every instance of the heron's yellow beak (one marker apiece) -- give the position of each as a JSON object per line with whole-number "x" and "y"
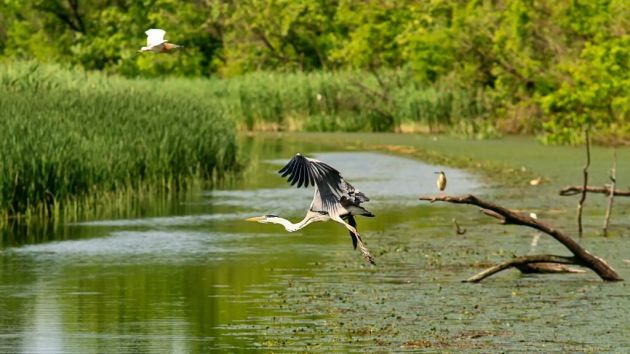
{"x": 256, "y": 218}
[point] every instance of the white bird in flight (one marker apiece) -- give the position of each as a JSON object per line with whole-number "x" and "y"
{"x": 156, "y": 42}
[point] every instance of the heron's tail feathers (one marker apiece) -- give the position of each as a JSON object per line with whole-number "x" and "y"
{"x": 360, "y": 197}
{"x": 368, "y": 214}
{"x": 358, "y": 210}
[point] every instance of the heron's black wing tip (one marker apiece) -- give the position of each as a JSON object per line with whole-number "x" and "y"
{"x": 296, "y": 171}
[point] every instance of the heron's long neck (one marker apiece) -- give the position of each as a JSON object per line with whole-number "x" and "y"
{"x": 289, "y": 226}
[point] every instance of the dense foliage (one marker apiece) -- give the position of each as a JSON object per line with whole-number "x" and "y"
{"x": 65, "y": 135}
{"x": 552, "y": 67}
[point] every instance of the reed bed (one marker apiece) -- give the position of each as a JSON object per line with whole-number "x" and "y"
{"x": 66, "y": 136}
{"x": 70, "y": 138}
{"x": 349, "y": 101}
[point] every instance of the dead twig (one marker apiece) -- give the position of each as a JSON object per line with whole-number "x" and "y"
{"x": 458, "y": 229}
{"x": 611, "y": 194}
{"x": 581, "y": 256}
{"x": 585, "y": 184}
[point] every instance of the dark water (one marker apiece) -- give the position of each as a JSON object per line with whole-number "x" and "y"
{"x": 192, "y": 276}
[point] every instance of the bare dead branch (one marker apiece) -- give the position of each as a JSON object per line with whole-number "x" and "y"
{"x": 519, "y": 261}
{"x": 547, "y": 268}
{"x": 573, "y": 190}
{"x": 611, "y": 194}
{"x": 585, "y": 184}
{"x": 581, "y": 256}
{"x": 494, "y": 215}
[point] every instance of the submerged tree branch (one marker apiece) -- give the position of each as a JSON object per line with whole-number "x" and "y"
{"x": 546, "y": 268}
{"x": 582, "y": 256}
{"x": 573, "y": 190}
{"x": 521, "y": 261}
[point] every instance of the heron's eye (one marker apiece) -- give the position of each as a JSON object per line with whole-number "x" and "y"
{"x": 271, "y": 216}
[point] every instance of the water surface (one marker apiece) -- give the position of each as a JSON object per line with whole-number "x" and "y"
{"x": 192, "y": 276}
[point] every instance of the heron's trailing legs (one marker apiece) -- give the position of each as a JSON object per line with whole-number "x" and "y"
{"x": 364, "y": 250}
{"x": 362, "y": 247}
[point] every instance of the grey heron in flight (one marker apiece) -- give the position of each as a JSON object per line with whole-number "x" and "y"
{"x": 334, "y": 199}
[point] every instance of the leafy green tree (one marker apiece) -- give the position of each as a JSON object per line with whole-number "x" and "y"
{"x": 537, "y": 66}
{"x": 288, "y": 34}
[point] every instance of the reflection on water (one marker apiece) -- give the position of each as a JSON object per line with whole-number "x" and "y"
{"x": 134, "y": 246}
{"x": 196, "y": 277}
{"x": 165, "y": 220}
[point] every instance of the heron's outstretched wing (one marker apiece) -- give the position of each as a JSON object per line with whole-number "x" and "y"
{"x": 330, "y": 185}
{"x": 155, "y": 37}
{"x": 309, "y": 172}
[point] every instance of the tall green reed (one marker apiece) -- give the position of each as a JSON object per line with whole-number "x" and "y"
{"x": 67, "y": 135}
{"x": 345, "y": 101}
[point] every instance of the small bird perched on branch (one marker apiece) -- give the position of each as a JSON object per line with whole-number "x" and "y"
{"x": 156, "y": 42}
{"x": 441, "y": 181}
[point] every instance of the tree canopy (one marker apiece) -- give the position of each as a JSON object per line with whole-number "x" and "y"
{"x": 565, "y": 64}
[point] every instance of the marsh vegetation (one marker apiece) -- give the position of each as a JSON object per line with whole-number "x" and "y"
{"x": 68, "y": 136}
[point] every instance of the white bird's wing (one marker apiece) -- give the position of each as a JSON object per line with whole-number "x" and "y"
{"x": 155, "y": 37}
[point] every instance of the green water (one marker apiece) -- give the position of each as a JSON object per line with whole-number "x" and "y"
{"x": 190, "y": 275}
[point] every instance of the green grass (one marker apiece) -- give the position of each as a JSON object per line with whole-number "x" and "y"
{"x": 66, "y": 136}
